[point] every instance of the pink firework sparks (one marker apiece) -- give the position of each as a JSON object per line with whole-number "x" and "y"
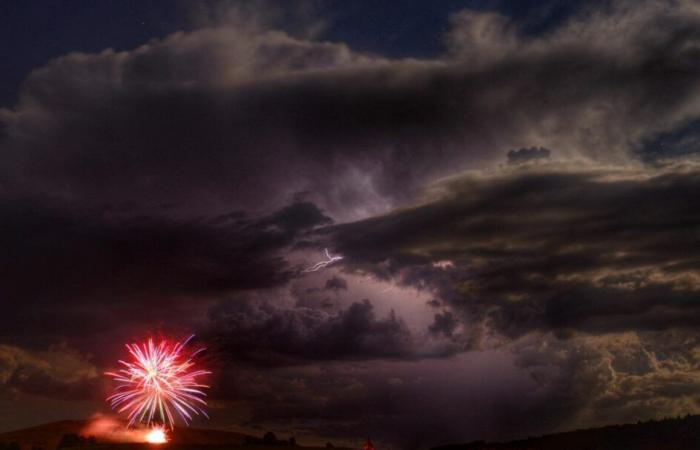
{"x": 157, "y": 381}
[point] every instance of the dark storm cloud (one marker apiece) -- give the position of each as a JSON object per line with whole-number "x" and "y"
{"x": 523, "y": 155}
{"x": 557, "y": 249}
{"x": 445, "y": 323}
{"x": 612, "y": 378}
{"x": 336, "y": 283}
{"x": 56, "y": 259}
{"x": 265, "y": 333}
{"x": 119, "y": 172}
{"x": 276, "y": 114}
{"x": 584, "y": 382}
{"x": 400, "y": 404}
{"x": 587, "y": 275}
{"x": 59, "y": 372}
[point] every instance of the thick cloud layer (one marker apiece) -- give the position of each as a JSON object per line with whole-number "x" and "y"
{"x": 400, "y": 404}
{"x": 263, "y": 333}
{"x": 130, "y": 269}
{"x": 613, "y": 378}
{"x": 547, "y": 248}
{"x": 275, "y": 114}
{"x": 60, "y": 371}
{"x": 586, "y": 275}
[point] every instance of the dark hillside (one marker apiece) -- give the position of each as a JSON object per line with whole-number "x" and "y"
{"x": 668, "y": 434}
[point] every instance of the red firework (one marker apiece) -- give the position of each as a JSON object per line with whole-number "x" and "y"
{"x": 158, "y": 381}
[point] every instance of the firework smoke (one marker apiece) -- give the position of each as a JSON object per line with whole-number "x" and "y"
{"x": 112, "y": 430}
{"x": 157, "y": 381}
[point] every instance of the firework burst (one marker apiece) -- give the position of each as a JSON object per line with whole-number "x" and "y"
{"x": 157, "y": 382}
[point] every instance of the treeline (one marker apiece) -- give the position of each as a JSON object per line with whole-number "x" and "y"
{"x": 270, "y": 439}
{"x": 76, "y": 440}
{"x": 9, "y": 446}
{"x": 17, "y": 446}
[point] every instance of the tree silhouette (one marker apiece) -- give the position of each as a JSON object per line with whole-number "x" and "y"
{"x": 270, "y": 438}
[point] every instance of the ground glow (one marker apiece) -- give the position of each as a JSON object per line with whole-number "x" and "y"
{"x": 157, "y": 435}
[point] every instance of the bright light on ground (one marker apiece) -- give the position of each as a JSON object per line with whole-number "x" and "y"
{"x": 156, "y": 436}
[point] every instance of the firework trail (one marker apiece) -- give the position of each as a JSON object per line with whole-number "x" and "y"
{"x": 323, "y": 264}
{"x": 158, "y": 381}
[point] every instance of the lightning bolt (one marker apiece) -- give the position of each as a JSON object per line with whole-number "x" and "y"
{"x": 323, "y": 264}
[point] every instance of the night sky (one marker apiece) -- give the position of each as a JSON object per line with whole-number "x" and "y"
{"x": 513, "y": 187}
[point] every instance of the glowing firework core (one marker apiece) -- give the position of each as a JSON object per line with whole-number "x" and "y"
{"x": 157, "y": 381}
{"x": 157, "y": 436}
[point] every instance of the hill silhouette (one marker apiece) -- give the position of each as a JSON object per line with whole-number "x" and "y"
{"x": 80, "y": 435}
{"x": 668, "y": 434}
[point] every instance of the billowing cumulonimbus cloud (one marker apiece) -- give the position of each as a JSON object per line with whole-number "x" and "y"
{"x": 583, "y": 273}
{"x": 619, "y": 377}
{"x": 181, "y": 172}
{"x": 547, "y": 249}
{"x": 276, "y": 114}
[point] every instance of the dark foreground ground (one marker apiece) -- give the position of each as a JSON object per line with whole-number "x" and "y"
{"x": 171, "y": 446}
{"x": 669, "y": 434}
{"x": 72, "y": 435}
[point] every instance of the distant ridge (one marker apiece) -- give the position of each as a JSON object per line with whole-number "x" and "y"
{"x": 49, "y": 435}
{"x": 667, "y": 434}
{"x": 45, "y": 436}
